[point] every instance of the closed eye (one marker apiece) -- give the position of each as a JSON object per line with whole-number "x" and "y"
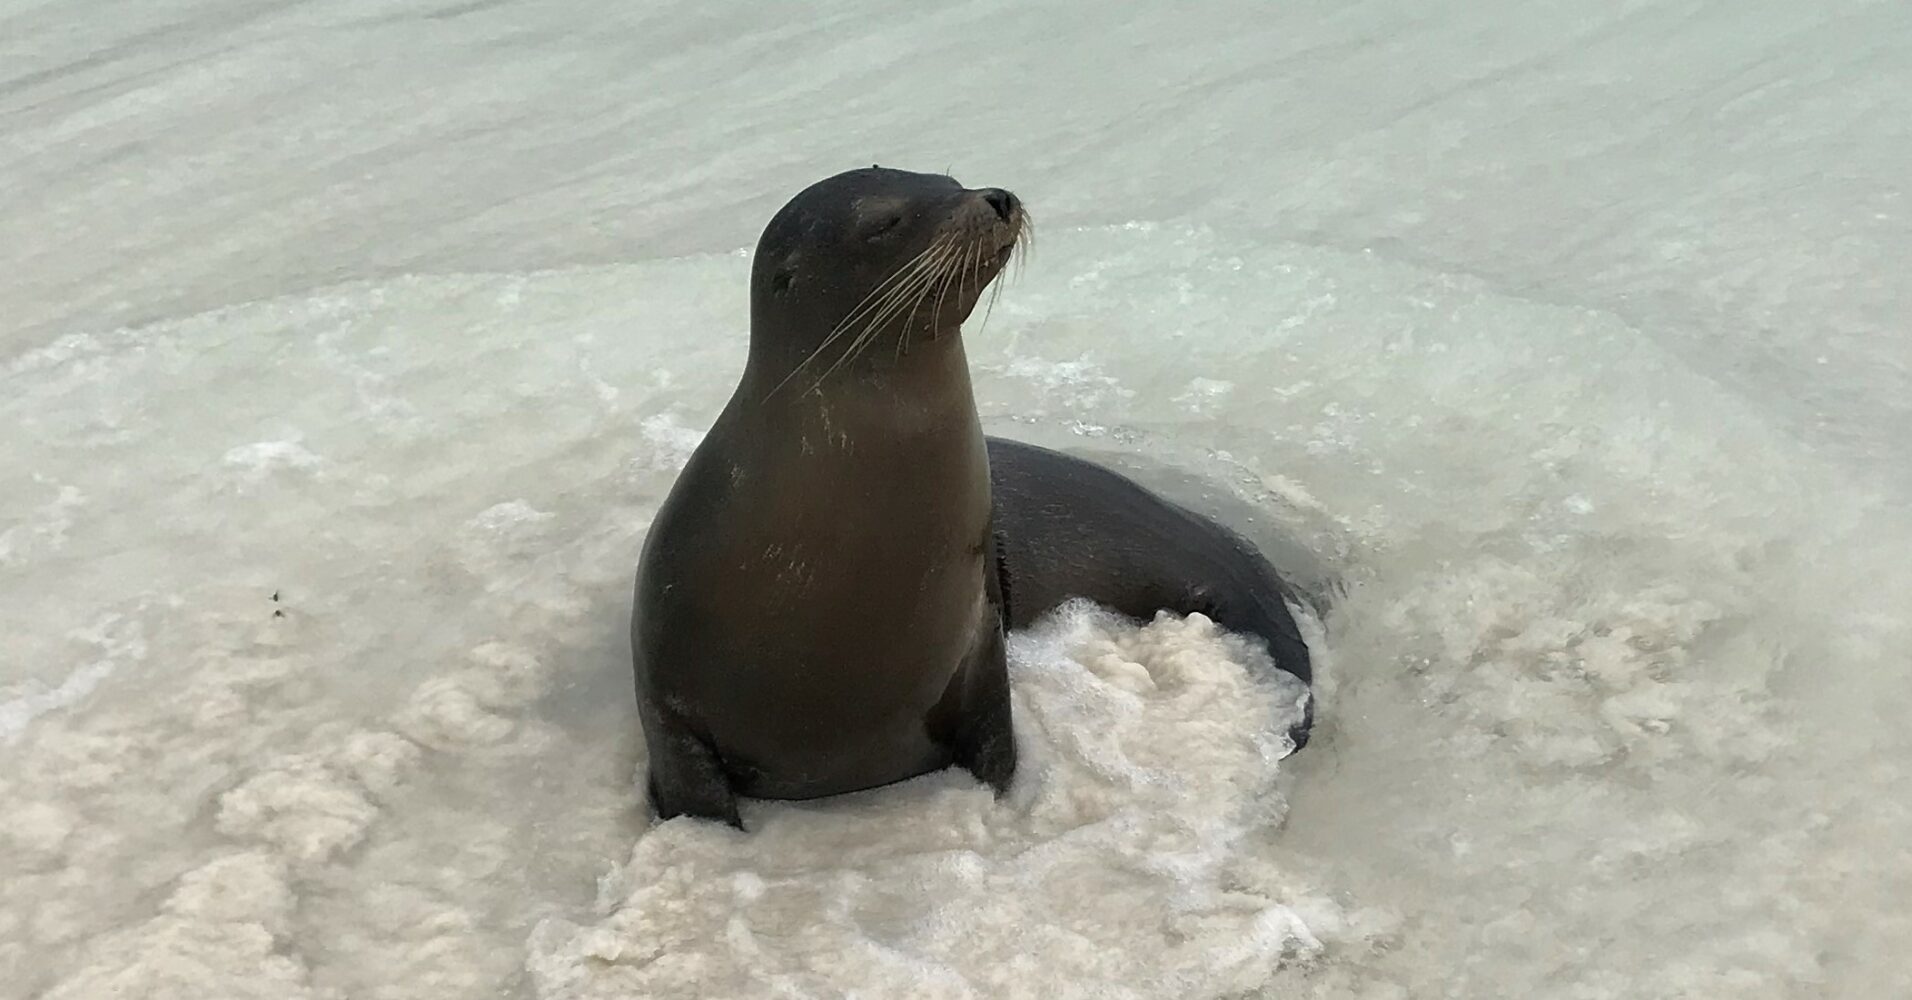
{"x": 885, "y": 226}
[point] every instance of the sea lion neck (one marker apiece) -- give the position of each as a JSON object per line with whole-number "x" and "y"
{"x": 929, "y": 362}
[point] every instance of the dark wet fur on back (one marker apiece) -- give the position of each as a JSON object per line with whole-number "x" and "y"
{"x": 1066, "y": 527}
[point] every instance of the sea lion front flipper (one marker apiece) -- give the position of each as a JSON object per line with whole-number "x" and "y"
{"x": 983, "y": 742}
{"x": 686, "y": 776}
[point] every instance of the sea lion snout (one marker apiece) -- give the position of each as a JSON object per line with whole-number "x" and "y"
{"x": 997, "y": 218}
{"x": 1005, "y": 203}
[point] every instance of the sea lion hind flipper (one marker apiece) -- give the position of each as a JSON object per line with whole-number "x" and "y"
{"x": 1258, "y": 610}
{"x": 1264, "y": 614}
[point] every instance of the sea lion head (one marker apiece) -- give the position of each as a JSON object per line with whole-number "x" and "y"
{"x": 864, "y": 265}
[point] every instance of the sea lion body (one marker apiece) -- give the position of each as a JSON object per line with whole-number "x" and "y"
{"x": 822, "y": 599}
{"x": 816, "y": 631}
{"x": 817, "y": 607}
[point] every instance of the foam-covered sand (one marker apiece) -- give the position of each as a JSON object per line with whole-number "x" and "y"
{"x": 1577, "y": 717}
{"x": 299, "y": 826}
{"x": 1558, "y": 353}
{"x": 1118, "y": 867}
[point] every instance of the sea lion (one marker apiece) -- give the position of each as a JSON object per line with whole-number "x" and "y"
{"x": 817, "y": 607}
{"x": 822, "y": 599}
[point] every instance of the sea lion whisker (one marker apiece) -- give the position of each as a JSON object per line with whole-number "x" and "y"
{"x": 972, "y": 261}
{"x": 995, "y": 292}
{"x": 926, "y": 271}
{"x": 868, "y": 332}
{"x": 903, "y": 333}
{"x": 891, "y": 304}
{"x": 912, "y": 294}
{"x": 891, "y": 281}
{"x": 909, "y": 322}
{"x": 963, "y": 271}
{"x": 888, "y": 287}
{"x": 920, "y": 290}
{"x": 862, "y": 341}
{"x": 873, "y": 328}
{"x": 942, "y": 289}
{"x": 1025, "y": 233}
{"x": 898, "y": 294}
{"x": 909, "y": 267}
{"x": 1025, "y": 240}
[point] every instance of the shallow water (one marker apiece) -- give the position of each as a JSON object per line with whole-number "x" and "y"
{"x": 349, "y": 350}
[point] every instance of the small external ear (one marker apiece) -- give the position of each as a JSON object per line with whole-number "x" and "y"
{"x": 780, "y": 282}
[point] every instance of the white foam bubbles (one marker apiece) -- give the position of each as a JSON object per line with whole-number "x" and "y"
{"x": 1114, "y": 869}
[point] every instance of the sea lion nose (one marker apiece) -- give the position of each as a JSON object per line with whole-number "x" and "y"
{"x": 1002, "y": 201}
